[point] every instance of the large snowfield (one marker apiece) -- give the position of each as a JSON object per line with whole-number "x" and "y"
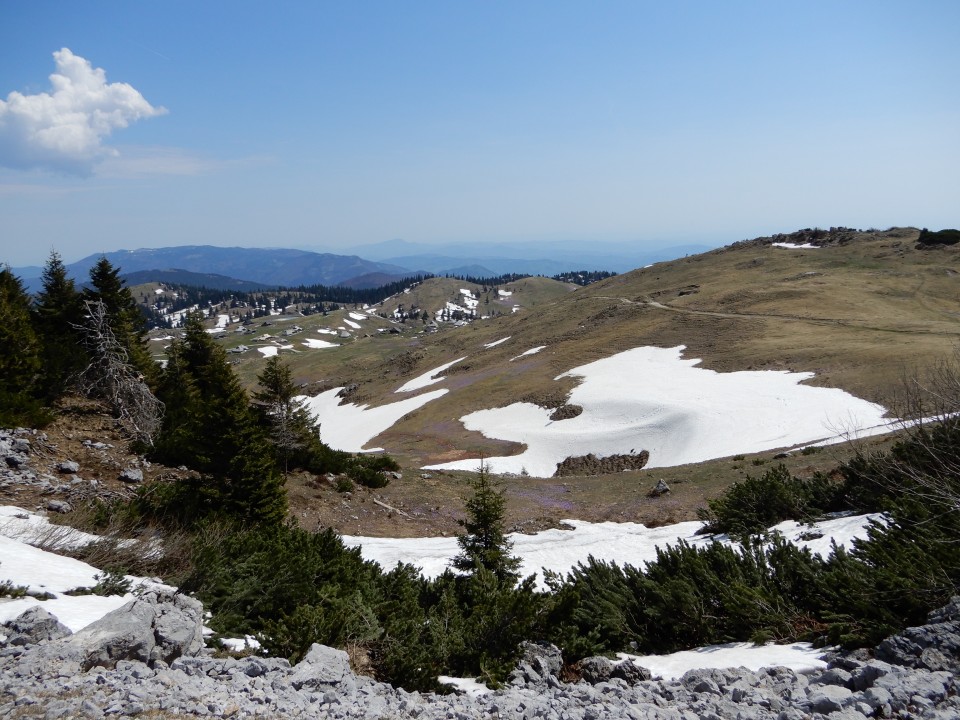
{"x": 653, "y": 399}
{"x": 648, "y": 398}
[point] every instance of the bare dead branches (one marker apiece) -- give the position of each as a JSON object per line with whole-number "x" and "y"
{"x": 111, "y": 377}
{"x": 929, "y": 462}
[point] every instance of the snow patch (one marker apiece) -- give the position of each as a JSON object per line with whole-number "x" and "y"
{"x": 428, "y": 378}
{"x": 45, "y": 572}
{"x": 652, "y": 399}
{"x": 795, "y": 246}
{"x": 531, "y": 351}
{"x": 350, "y": 427}
{"x": 315, "y": 344}
{"x": 799, "y": 657}
{"x": 468, "y": 686}
{"x": 497, "y": 342}
{"x": 247, "y": 642}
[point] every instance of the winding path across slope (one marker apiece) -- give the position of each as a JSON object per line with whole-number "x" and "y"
{"x": 650, "y": 302}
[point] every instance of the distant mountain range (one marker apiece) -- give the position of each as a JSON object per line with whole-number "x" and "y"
{"x": 533, "y": 258}
{"x": 267, "y": 267}
{"x": 235, "y": 268}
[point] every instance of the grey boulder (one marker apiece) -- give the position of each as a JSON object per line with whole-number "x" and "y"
{"x": 34, "y": 625}
{"x": 320, "y": 667}
{"x": 131, "y": 475}
{"x": 160, "y": 625}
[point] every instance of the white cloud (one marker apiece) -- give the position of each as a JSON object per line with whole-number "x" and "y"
{"x": 63, "y": 130}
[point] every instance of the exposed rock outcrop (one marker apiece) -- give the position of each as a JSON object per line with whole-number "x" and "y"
{"x": 593, "y": 465}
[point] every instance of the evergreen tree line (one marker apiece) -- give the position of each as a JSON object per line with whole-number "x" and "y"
{"x": 491, "y": 281}
{"x": 47, "y": 339}
{"x": 583, "y": 277}
{"x": 307, "y": 299}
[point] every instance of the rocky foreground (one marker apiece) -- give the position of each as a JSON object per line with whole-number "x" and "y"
{"x": 149, "y": 657}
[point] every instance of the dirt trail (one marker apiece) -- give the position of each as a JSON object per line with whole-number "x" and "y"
{"x": 650, "y": 302}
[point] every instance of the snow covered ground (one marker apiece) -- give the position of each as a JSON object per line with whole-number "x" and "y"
{"x": 271, "y": 350}
{"x": 351, "y": 323}
{"x": 799, "y": 657}
{"x": 428, "y": 378}
{"x": 795, "y": 246}
{"x": 469, "y": 299}
{"x": 497, "y": 342}
{"x": 46, "y": 572}
{"x": 531, "y": 351}
{"x": 625, "y": 543}
{"x": 315, "y": 344}
{"x": 653, "y": 399}
{"x": 350, "y": 427}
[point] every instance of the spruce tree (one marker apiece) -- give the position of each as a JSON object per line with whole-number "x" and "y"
{"x": 20, "y": 361}
{"x": 58, "y": 314}
{"x": 210, "y": 427}
{"x": 292, "y": 428}
{"x": 485, "y": 545}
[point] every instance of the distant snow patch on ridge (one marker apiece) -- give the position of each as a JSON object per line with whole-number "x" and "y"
{"x": 795, "y": 246}
{"x": 652, "y": 399}
{"x": 351, "y": 323}
{"x": 357, "y": 316}
{"x": 428, "y": 378}
{"x": 497, "y": 342}
{"x": 469, "y": 299}
{"x": 349, "y": 427}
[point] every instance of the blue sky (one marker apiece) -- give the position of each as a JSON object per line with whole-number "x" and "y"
{"x": 332, "y": 125}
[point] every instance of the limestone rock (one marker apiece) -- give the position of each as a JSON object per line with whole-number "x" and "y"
{"x": 34, "y": 625}
{"x": 131, "y": 475}
{"x": 322, "y": 666}
{"x": 58, "y": 506}
{"x": 159, "y": 625}
{"x": 124, "y": 634}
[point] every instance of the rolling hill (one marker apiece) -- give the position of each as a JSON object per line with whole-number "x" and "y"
{"x": 856, "y": 309}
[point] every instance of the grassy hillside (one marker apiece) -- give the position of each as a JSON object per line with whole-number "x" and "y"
{"x": 860, "y": 310}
